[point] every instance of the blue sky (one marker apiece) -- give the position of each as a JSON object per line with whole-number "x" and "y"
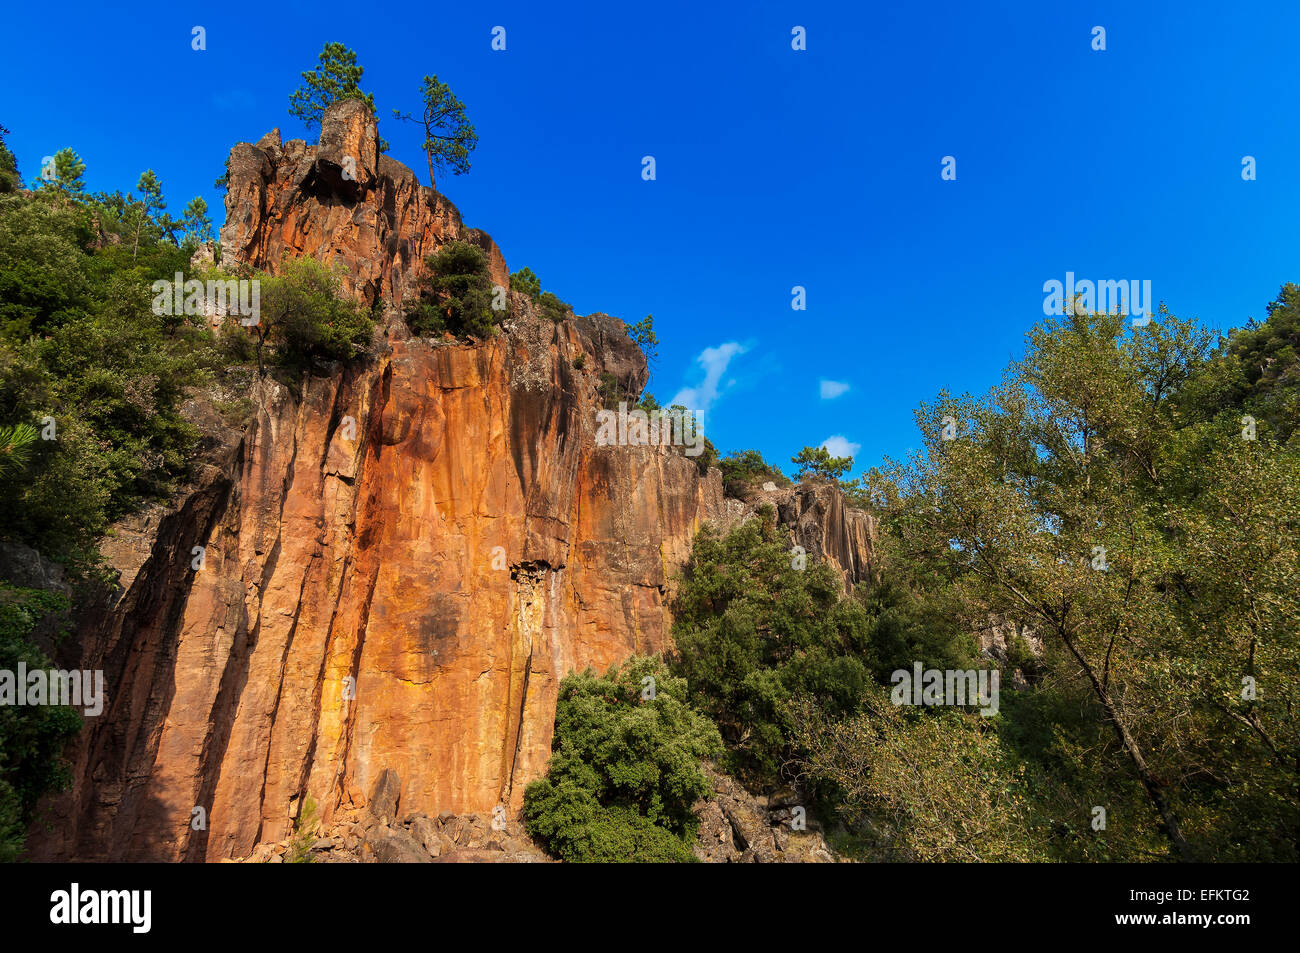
{"x": 775, "y": 167}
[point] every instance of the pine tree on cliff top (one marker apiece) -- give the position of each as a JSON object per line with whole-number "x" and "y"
{"x": 336, "y": 77}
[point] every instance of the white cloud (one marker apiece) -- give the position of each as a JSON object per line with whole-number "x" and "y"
{"x": 714, "y": 360}
{"x": 839, "y": 446}
{"x": 832, "y": 389}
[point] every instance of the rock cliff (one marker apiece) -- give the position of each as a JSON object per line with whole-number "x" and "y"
{"x": 394, "y": 563}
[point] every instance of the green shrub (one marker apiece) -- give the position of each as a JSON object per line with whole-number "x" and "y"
{"x": 746, "y": 468}
{"x": 624, "y": 770}
{"x": 456, "y": 294}
{"x": 548, "y": 304}
{"x": 305, "y": 315}
{"x": 305, "y": 828}
{"x": 553, "y": 308}
{"x": 525, "y": 281}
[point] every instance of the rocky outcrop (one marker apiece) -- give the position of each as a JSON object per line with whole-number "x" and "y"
{"x": 821, "y": 521}
{"x": 735, "y": 827}
{"x": 367, "y": 831}
{"x": 392, "y": 565}
{"x": 738, "y": 828}
{"x": 342, "y": 202}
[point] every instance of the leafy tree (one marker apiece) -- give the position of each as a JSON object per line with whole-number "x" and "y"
{"x": 625, "y": 768}
{"x": 924, "y": 787}
{"x": 1153, "y": 551}
{"x": 817, "y": 462}
{"x": 448, "y": 136}
{"x": 79, "y": 343}
{"x": 337, "y": 76}
{"x": 69, "y": 174}
{"x": 151, "y": 206}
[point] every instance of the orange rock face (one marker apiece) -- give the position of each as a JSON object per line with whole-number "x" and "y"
{"x": 399, "y": 563}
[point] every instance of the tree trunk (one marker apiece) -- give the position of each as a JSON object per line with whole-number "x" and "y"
{"x": 1149, "y": 782}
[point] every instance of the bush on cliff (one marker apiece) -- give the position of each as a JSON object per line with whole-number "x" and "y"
{"x": 456, "y": 295}
{"x": 624, "y": 770}
{"x": 548, "y": 304}
{"x": 742, "y": 469}
{"x": 306, "y": 316}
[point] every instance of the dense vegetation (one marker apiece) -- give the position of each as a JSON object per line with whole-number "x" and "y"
{"x": 31, "y": 736}
{"x": 624, "y": 770}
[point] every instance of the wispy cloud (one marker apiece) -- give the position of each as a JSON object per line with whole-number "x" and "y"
{"x": 703, "y": 395}
{"x": 832, "y": 389}
{"x": 840, "y": 446}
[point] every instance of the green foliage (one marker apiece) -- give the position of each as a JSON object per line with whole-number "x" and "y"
{"x": 1255, "y": 371}
{"x": 306, "y": 317}
{"x": 643, "y": 333}
{"x": 817, "y": 462}
{"x": 10, "y": 180}
{"x": 624, "y": 769}
{"x": 151, "y": 208}
{"x": 553, "y": 308}
{"x": 920, "y": 786}
{"x": 1105, "y": 496}
{"x": 196, "y": 223}
{"x": 16, "y": 444}
{"x": 67, "y": 175}
{"x": 548, "y": 304}
{"x": 337, "y": 76}
{"x": 32, "y": 737}
{"x": 525, "y": 281}
{"x": 742, "y": 469}
{"x": 456, "y": 295}
{"x": 752, "y": 630}
{"x": 448, "y": 136}
{"x": 79, "y": 343}
{"x": 305, "y": 828}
